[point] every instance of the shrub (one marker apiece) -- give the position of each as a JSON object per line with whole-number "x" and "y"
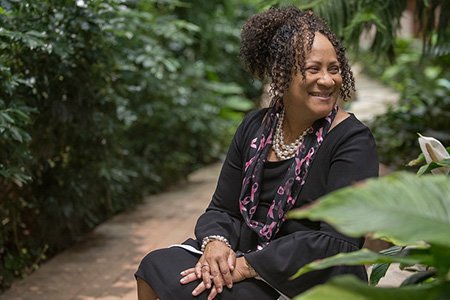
{"x": 424, "y": 103}
{"x": 101, "y": 102}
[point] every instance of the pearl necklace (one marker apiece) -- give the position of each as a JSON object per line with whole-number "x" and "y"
{"x": 282, "y": 150}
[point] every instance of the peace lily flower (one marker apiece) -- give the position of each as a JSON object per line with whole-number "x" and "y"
{"x": 434, "y": 151}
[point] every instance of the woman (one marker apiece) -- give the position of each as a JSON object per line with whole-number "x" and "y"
{"x": 299, "y": 149}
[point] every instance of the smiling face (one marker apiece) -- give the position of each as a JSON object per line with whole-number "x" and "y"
{"x": 315, "y": 95}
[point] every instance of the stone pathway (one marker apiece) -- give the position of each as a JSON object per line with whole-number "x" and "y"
{"x": 372, "y": 98}
{"x": 102, "y": 265}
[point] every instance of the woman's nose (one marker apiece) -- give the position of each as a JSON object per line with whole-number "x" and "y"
{"x": 326, "y": 80}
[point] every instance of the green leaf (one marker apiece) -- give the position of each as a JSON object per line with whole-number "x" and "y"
{"x": 433, "y": 165}
{"x": 418, "y": 277}
{"x": 239, "y": 103}
{"x": 361, "y": 257}
{"x": 225, "y": 88}
{"x": 348, "y": 287}
{"x": 378, "y": 272}
{"x": 417, "y": 161}
{"x": 401, "y": 206}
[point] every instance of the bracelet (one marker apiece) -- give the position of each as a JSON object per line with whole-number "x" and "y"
{"x": 211, "y": 238}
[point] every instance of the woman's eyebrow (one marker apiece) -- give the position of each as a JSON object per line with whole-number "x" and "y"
{"x": 317, "y": 62}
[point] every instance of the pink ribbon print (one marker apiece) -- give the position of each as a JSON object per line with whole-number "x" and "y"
{"x": 295, "y": 177}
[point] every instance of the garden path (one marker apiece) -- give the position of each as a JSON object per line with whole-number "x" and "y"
{"x": 101, "y": 266}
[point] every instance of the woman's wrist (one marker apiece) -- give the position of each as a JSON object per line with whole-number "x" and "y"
{"x": 251, "y": 271}
{"x": 211, "y": 238}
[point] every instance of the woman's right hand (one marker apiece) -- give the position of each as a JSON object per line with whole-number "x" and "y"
{"x": 216, "y": 263}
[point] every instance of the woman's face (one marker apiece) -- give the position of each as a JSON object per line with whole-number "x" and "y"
{"x": 317, "y": 93}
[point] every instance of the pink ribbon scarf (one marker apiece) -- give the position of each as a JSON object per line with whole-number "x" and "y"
{"x": 292, "y": 184}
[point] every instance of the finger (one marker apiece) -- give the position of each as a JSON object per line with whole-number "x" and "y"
{"x": 226, "y": 274}
{"x": 198, "y": 268}
{"x": 206, "y": 277}
{"x": 213, "y": 293}
{"x": 232, "y": 260}
{"x": 187, "y": 271}
{"x": 199, "y": 289}
{"x": 217, "y": 277}
{"x": 188, "y": 278}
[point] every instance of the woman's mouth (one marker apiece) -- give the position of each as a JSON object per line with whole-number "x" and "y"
{"x": 322, "y": 95}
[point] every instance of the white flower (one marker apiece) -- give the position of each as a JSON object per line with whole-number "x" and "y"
{"x": 81, "y": 3}
{"x": 433, "y": 150}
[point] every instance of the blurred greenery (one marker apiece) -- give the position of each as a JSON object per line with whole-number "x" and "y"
{"x": 418, "y": 68}
{"x": 104, "y": 101}
{"x": 423, "y": 83}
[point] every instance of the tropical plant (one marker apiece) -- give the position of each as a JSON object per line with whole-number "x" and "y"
{"x": 420, "y": 74}
{"x": 352, "y": 18}
{"x": 102, "y": 102}
{"x": 409, "y": 211}
{"x": 423, "y": 105}
{"x": 435, "y": 158}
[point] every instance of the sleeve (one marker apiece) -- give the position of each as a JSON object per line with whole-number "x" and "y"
{"x": 352, "y": 160}
{"x": 222, "y": 217}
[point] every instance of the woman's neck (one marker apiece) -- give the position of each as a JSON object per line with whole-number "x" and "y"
{"x": 294, "y": 125}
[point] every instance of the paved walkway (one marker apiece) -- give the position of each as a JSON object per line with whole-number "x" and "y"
{"x": 102, "y": 265}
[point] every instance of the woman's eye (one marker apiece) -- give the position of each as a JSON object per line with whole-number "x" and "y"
{"x": 312, "y": 69}
{"x": 334, "y": 70}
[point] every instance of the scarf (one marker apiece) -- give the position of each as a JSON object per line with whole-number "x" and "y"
{"x": 291, "y": 185}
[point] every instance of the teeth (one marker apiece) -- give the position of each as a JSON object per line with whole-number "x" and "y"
{"x": 321, "y": 95}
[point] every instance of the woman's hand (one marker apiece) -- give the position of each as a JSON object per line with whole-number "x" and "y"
{"x": 240, "y": 272}
{"x": 216, "y": 263}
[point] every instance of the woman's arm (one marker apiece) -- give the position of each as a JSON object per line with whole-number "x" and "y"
{"x": 222, "y": 217}
{"x": 353, "y": 158}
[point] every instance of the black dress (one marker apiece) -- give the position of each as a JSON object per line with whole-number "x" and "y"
{"x": 346, "y": 155}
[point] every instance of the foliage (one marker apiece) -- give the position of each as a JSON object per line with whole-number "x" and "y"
{"x": 350, "y": 288}
{"x": 402, "y": 208}
{"x": 419, "y": 73}
{"x": 435, "y": 158}
{"x": 102, "y": 101}
{"x": 350, "y": 19}
{"x": 424, "y": 103}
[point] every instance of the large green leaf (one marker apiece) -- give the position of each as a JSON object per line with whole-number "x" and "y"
{"x": 401, "y": 206}
{"x": 350, "y": 288}
{"x": 361, "y": 257}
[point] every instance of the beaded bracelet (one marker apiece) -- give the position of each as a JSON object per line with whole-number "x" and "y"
{"x": 211, "y": 238}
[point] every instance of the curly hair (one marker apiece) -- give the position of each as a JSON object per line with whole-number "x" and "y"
{"x": 274, "y": 43}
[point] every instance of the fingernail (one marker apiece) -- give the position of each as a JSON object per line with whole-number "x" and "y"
{"x": 182, "y": 273}
{"x": 208, "y": 285}
{"x": 182, "y": 280}
{"x": 230, "y": 286}
{"x": 194, "y": 293}
{"x": 219, "y": 290}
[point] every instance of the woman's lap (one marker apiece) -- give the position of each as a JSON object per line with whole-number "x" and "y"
{"x": 161, "y": 270}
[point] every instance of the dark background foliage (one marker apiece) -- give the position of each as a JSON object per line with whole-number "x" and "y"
{"x": 102, "y": 102}
{"x": 423, "y": 83}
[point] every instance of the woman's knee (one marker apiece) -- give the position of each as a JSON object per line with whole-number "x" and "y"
{"x": 145, "y": 291}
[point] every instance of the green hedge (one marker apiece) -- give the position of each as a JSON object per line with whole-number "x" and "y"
{"x": 102, "y": 102}
{"x": 424, "y": 106}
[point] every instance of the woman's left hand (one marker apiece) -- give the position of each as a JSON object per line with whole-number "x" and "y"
{"x": 239, "y": 273}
